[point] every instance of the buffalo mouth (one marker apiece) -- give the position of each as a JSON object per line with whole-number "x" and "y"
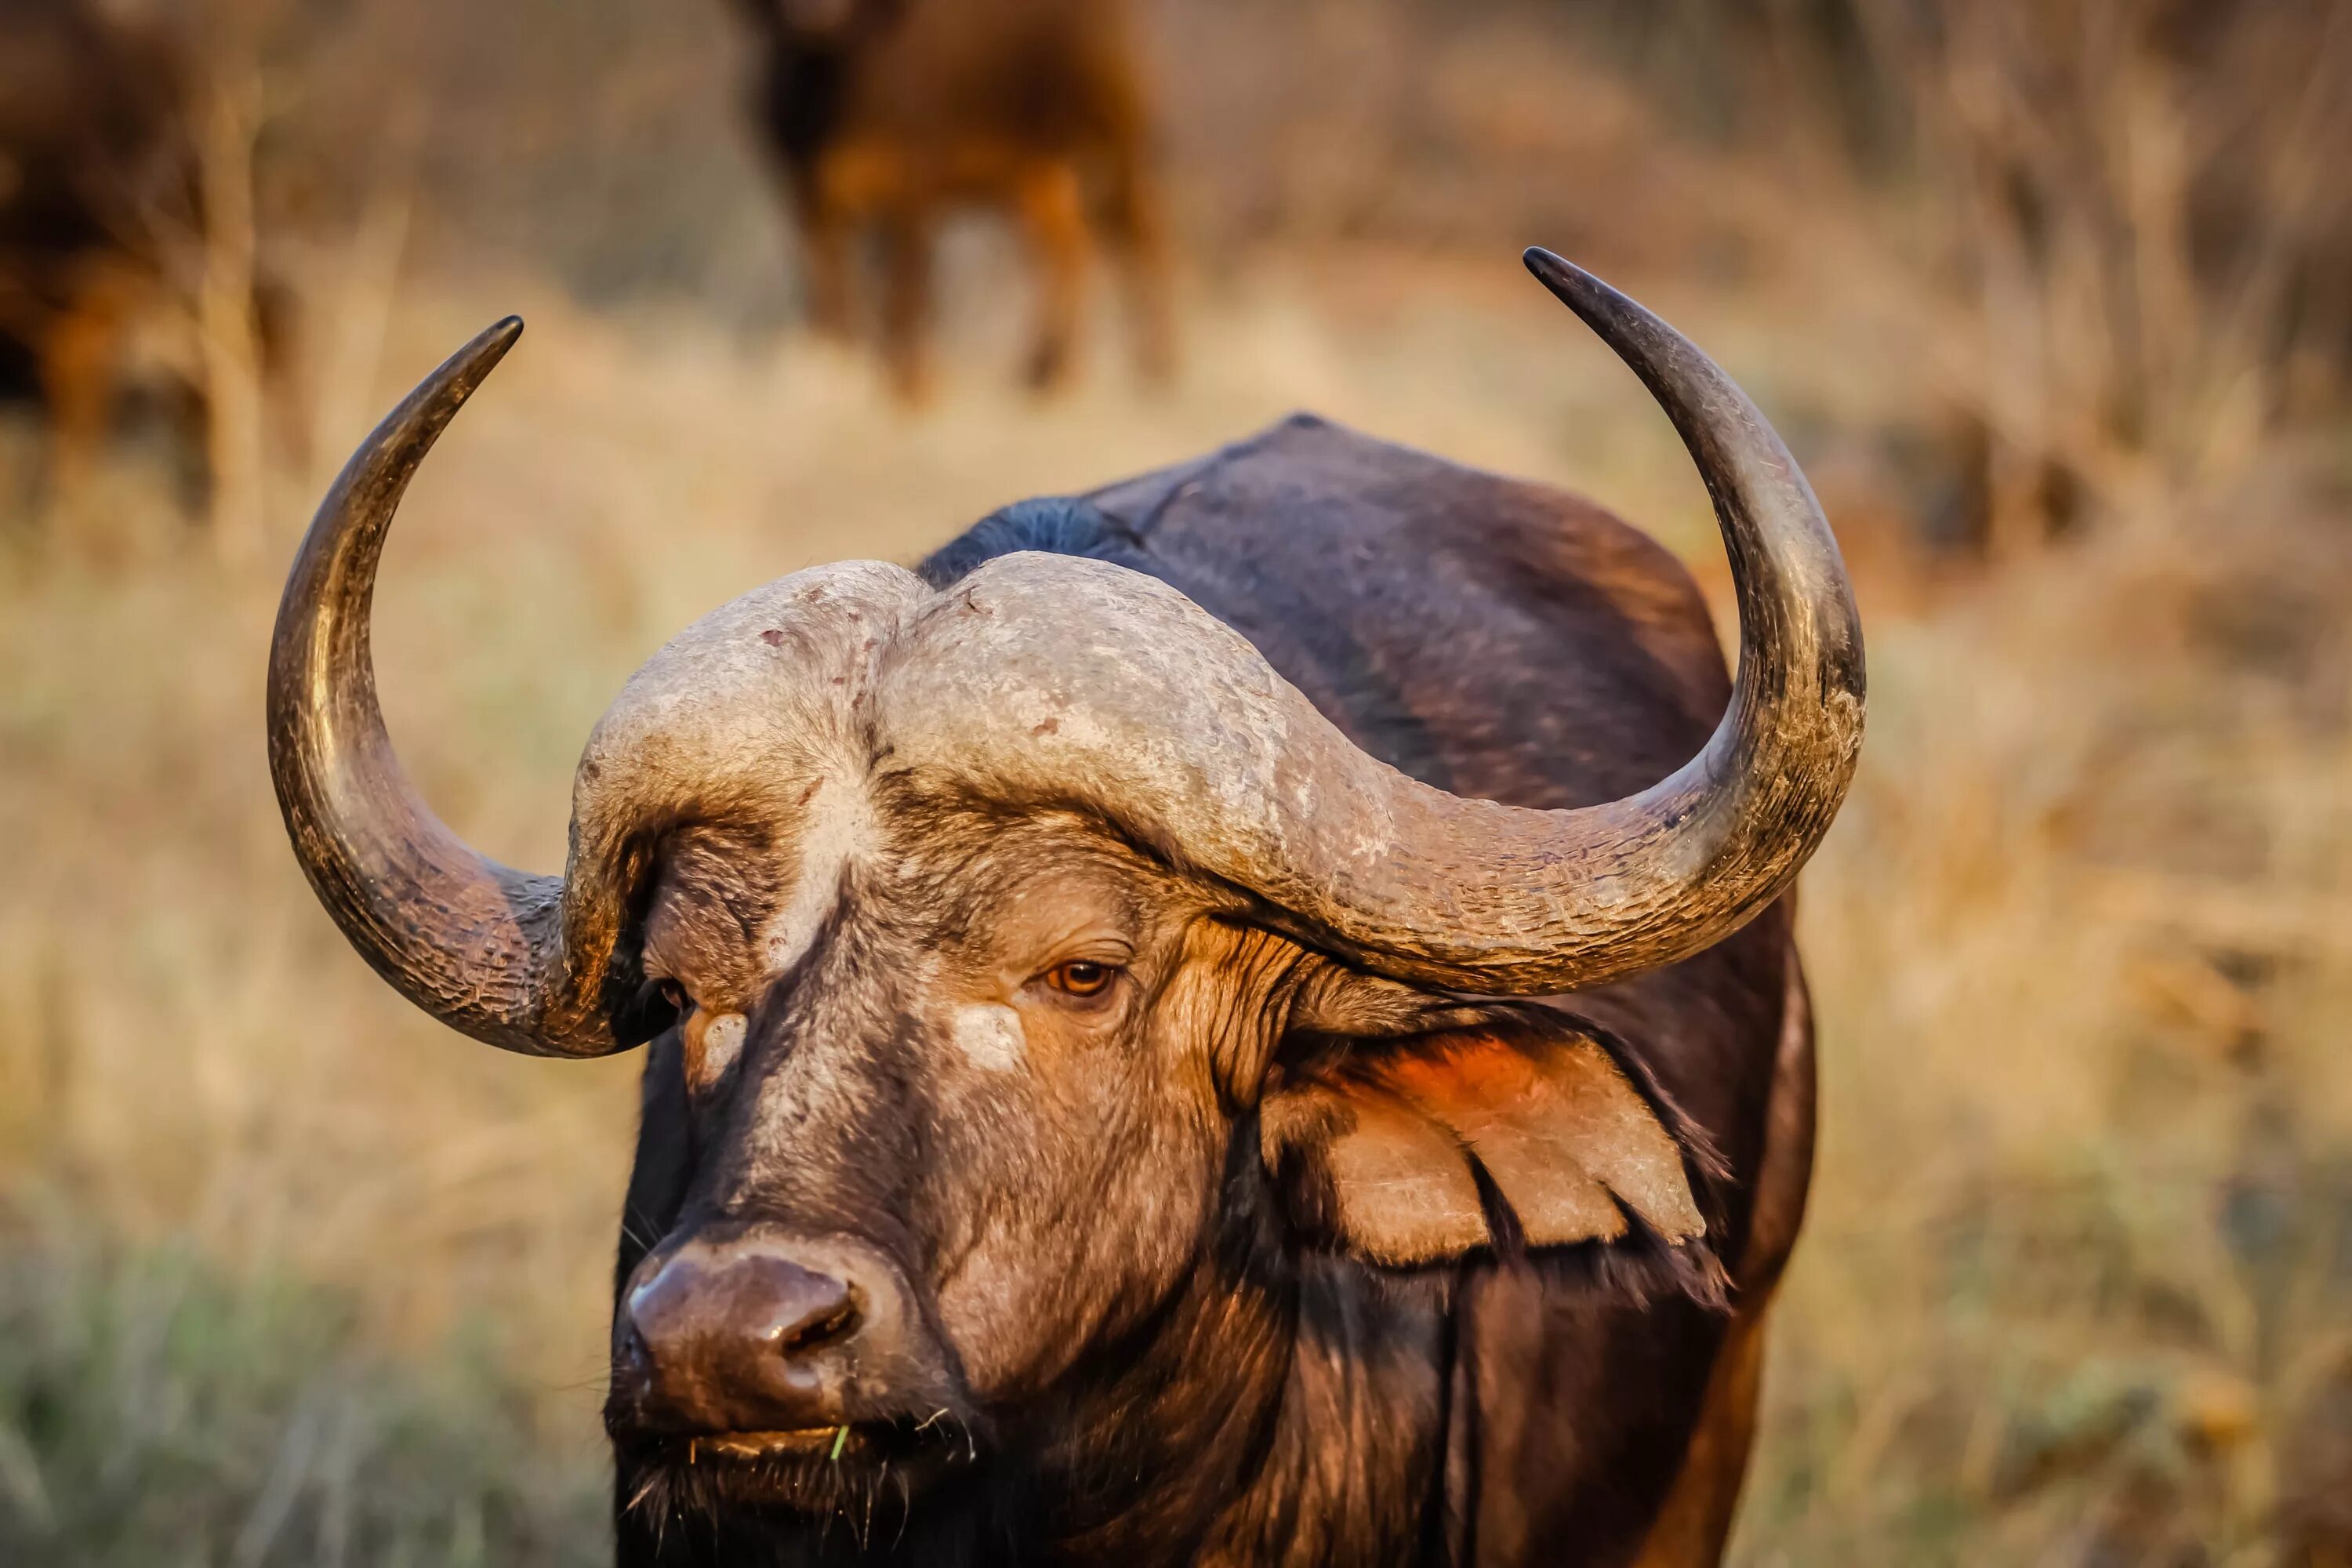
{"x": 833, "y": 1442}
{"x": 808, "y": 1470}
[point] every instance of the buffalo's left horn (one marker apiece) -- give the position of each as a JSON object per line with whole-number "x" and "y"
{"x": 1076, "y": 682}
{"x": 479, "y": 945}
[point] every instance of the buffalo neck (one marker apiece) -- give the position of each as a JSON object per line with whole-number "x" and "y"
{"x": 1281, "y": 1407}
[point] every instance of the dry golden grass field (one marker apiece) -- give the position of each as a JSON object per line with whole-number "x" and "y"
{"x": 288, "y": 1274}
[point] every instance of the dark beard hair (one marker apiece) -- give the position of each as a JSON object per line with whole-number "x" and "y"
{"x": 798, "y": 1510}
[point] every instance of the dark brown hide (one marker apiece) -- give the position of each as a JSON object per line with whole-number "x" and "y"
{"x": 1292, "y": 1403}
{"x": 1505, "y": 640}
{"x": 881, "y": 116}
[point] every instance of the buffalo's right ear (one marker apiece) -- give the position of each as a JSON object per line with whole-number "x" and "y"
{"x": 1418, "y": 1149}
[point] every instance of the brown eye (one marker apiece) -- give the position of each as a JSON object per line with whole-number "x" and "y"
{"x": 1080, "y": 978}
{"x": 674, "y": 995}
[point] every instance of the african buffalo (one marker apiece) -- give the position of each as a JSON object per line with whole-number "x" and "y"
{"x": 1249, "y": 1017}
{"x": 102, "y": 220}
{"x": 880, "y": 115}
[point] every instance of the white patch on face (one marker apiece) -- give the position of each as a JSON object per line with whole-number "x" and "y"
{"x": 990, "y": 1037}
{"x": 839, "y": 827}
{"x": 723, "y": 1037}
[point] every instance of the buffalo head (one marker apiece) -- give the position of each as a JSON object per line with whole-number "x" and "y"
{"x": 1002, "y": 937}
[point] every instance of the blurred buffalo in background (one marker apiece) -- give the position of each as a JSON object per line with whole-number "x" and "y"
{"x": 119, "y": 248}
{"x": 881, "y": 115}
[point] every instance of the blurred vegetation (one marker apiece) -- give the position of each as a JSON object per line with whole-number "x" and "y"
{"x": 152, "y": 1410}
{"x": 2050, "y": 297}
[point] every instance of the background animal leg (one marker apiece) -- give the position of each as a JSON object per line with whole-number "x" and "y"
{"x": 1053, "y": 220}
{"x": 824, "y": 252}
{"x": 907, "y": 305}
{"x": 1131, "y": 217}
{"x": 77, "y": 364}
{"x": 285, "y": 381}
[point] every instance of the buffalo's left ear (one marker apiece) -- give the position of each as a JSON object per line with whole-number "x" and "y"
{"x": 1383, "y": 1143}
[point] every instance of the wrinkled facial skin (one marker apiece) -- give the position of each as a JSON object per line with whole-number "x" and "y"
{"x": 1006, "y": 1054}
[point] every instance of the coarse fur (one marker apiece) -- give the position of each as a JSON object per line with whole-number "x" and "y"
{"x": 1145, "y": 1331}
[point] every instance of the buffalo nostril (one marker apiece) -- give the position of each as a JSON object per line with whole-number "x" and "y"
{"x": 800, "y": 1310}
{"x": 819, "y": 1330}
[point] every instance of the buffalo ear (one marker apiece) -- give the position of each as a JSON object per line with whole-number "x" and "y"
{"x": 1384, "y": 1145}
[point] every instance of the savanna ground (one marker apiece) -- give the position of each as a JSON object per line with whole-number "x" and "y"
{"x": 288, "y": 1274}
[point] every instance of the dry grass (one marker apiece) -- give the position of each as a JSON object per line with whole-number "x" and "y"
{"x": 2078, "y": 937}
{"x": 2077, "y": 1283}
{"x": 292, "y": 1274}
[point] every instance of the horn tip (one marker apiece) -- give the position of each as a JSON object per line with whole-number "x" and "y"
{"x": 1576, "y": 288}
{"x": 463, "y": 371}
{"x": 498, "y": 337}
{"x": 1543, "y": 263}
{"x": 487, "y": 347}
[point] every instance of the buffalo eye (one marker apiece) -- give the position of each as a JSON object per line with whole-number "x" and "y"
{"x": 674, "y": 995}
{"x": 1081, "y": 978}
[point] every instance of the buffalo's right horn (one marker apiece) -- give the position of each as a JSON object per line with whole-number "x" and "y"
{"x": 480, "y": 946}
